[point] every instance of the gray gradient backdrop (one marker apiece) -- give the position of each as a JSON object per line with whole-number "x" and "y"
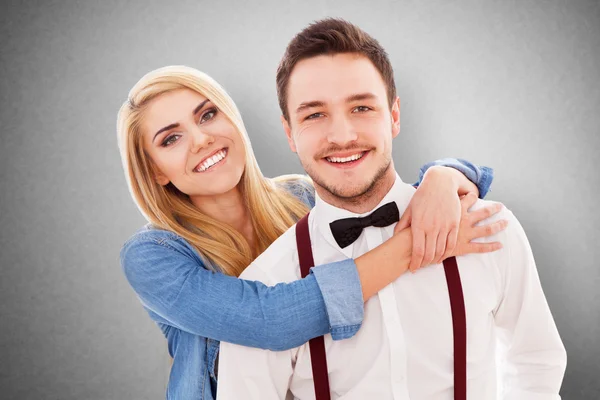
{"x": 513, "y": 85}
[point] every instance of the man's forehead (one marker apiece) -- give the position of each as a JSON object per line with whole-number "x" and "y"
{"x": 332, "y": 78}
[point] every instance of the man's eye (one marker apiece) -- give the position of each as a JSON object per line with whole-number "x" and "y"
{"x": 361, "y": 109}
{"x": 208, "y": 115}
{"x": 314, "y": 116}
{"x": 169, "y": 140}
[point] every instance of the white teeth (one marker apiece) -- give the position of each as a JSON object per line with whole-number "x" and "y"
{"x": 209, "y": 162}
{"x": 345, "y": 159}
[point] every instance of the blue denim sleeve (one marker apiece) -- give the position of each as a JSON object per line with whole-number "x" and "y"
{"x": 170, "y": 280}
{"x": 343, "y": 297}
{"x": 481, "y": 176}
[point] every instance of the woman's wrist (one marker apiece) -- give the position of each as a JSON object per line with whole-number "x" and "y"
{"x": 384, "y": 264}
{"x": 450, "y": 176}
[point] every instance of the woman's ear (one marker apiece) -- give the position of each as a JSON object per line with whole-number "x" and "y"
{"x": 159, "y": 177}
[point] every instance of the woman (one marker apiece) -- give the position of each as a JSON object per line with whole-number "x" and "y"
{"x": 192, "y": 173}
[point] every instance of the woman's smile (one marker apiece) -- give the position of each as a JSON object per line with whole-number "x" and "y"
{"x": 211, "y": 162}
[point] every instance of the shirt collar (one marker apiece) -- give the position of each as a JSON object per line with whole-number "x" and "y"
{"x": 324, "y": 213}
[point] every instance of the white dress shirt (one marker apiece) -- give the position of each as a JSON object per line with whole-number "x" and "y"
{"x": 404, "y": 349}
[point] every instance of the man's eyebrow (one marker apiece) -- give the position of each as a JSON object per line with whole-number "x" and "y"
{"x": 360, "y": 96}
{"x": 169, "y": 127}
{"x": 309, "y": 104}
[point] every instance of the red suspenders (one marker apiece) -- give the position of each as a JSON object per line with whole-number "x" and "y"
{"x": 459, "y": 324}
{"x": 459, "y": 327}
{"x": 316, "y": 345}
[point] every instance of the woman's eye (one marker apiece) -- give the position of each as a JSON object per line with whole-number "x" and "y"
{"x": 169, "y": 140}
{"x": 207, "y": 116}
{"x": 361, "y": 109}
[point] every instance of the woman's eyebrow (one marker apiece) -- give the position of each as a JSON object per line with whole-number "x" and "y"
{"x": 200, "y": 107}
{"x": 168, "y": 127}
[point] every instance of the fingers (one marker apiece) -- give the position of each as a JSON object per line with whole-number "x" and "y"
{"x": 488, "y": 230}
{"x": 485, "y": 212}
{"x": 418, "y": 250}
{"x": 482, "y": 247}
{"x": 450, "y": 244}
{"x": 404, "y": 221}
{"x": 468, "y": 201}
{"x": 440, "y": 247}
{"x": 430, "y": 247}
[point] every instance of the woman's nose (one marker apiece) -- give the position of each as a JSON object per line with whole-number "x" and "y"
{"x": 200, "y": 140}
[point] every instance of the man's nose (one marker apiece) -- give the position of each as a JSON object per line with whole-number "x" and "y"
{"x": 341, "y": 131}
{"x": 200, "y": 139}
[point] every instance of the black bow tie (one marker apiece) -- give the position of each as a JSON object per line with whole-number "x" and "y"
{"x": 347, "y": 230}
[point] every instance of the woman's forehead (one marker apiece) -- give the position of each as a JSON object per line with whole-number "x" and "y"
{"x": 171, "y": 108}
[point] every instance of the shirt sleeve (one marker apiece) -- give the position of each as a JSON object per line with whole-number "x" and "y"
{"x": 481, "y": 176}
{"x": 534, "y": 355}
{"x": 171, "y": 281}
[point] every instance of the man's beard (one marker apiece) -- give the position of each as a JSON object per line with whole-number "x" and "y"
{"x": 356, "y": 193}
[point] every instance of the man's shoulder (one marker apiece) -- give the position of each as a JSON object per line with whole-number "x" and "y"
{"x": 513, "y": 235}
{"x": 278, "y": 263}
{"x": 504, "y": 213}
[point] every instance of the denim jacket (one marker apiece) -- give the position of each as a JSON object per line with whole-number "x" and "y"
{"x": 195, "y": 307}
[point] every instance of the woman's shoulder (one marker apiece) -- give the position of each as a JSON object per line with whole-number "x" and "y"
{"x": 300, "y": 186}
{"x": 151, "y": 233}
{"x": 152, "y": 253}
{"x": 152, "y": 240}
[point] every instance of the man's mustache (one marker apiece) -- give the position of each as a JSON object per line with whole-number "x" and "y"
{"x": 338, "y": 149}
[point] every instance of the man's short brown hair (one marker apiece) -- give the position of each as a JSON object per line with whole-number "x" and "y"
{"x": 328, "y": 37}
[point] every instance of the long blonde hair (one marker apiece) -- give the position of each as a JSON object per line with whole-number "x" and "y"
{"x": 272, "y": 210}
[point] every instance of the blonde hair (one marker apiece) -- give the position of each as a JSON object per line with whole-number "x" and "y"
{"x": 272, "y": 209}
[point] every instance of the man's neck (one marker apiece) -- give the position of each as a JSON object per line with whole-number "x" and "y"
{"x": 365, "y": 202}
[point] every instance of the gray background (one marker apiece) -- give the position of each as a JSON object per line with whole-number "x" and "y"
{"x": 513, "y": 85}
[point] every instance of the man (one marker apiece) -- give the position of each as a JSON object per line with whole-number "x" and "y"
{"x": 340, "y": 113}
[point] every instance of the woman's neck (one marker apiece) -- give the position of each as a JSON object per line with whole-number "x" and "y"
{"x": 228, "y": 208}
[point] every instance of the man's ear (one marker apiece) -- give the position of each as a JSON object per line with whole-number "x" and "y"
{"x": 396, "y": 117}
{"x": 288, "y": 133}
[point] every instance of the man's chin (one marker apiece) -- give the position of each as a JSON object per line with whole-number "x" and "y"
{"x": 346, "y": 190}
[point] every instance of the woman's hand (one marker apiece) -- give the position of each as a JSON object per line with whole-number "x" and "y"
{"x": 467, "y": 231}
{"x": 382, "y": 265}
{"x": 434, "y": 215}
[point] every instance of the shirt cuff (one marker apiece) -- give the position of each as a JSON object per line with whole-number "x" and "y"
{"x": 481, "y": 176}
{"x": 342, "y": 293}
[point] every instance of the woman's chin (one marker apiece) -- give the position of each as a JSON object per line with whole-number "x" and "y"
{"x": 220, "y": 187}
